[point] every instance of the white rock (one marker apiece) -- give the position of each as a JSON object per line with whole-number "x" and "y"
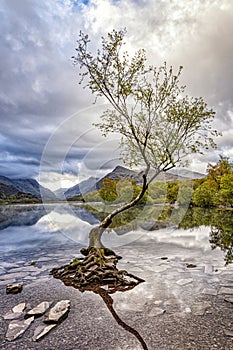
{"x": 209, "y": 291}
{"x": 17, "y": 328}
{"x": 39, "y": 309}
{"x": 58, "y": 312}
{"x": 19, "y": 308}
{"x": 184, "y": 281}
{"x": 12, "y": 315}
{"x": 41, "y": 331}
{"x": 156, "y": 311}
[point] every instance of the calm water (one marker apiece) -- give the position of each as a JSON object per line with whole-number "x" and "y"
{"x": 25, "y": 227}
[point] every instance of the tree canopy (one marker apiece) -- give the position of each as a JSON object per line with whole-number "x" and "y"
{"x": 159, "y": 125}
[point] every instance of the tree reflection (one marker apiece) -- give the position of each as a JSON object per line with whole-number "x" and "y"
{"x": 221, "y": 224}
{"x": 97, "y": 272}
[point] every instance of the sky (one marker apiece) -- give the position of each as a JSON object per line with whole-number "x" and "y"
{"x": 46, "y": 116}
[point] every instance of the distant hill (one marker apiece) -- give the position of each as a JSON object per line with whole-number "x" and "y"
{"x": 82, "y": 188}
{"x": 21, "y": 187}
{"x": 120, "y": 172}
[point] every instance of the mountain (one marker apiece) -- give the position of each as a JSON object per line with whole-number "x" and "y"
{"x": 82, "y": 188}
{"x": 60, "y": 193}
{"x": 24, "y": 186}
{"x": 187, "y": 174}
{"x": 120, "y": 172}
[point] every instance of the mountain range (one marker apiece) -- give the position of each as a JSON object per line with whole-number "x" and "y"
{"x": 23, "y": 188}
{"x": 20, "y": 187}
{"x": 120, "y": 172}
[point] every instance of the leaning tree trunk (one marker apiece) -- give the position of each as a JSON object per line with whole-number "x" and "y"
{"x": 96, "y": 233}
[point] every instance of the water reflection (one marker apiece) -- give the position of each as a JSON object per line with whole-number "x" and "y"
{"x": 221, "y": 227}
{"x": 166, "y": 224}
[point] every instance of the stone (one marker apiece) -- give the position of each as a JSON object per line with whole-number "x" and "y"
{"x": 14, "y": 288}
{"x": 184, "y": 281}
{"x": 156, "y": 311}
{"x": 229, "y": 300}
{"x": 188, "y": 310}
{"x": 59, "y": 312}
{"x": 41, "y": 331}
{"x": 17, "y": 311}
{"x": 17, "y": 328}
{"x": 19, "y": 308}
{"x": 209, "y": 291}
{"x": 228, "y": 333}
{"x": 39, "y": 310}
{"x": 12, "y": 315}
{"x": 226, "y": 290}
{"x": 191, "y": 266}
{"x": 200, "y": 308}
{"x": 32, "y": 262}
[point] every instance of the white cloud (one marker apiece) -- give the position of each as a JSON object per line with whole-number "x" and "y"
{"x": 39, "y": 87}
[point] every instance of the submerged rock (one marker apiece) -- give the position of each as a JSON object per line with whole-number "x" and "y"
{"x": 17, "y": 311}
{"x": 41, "y": 331}
{"x": 19, "y": 308}
{"x": 32, "y": 262}
{"x": 59, "y": 312}
{"x": 39, "y": 310}
{"x": 14, "y": 288}
{"x": 17, "y": 328}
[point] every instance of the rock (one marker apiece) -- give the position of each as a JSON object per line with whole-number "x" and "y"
{"x": 226, "y": 290}
{"x": 228, "y": 333}
{"x": 188, "y": 310}
{"x": 59, "y": 312}
{"x": 164, "y": 258}
{"x": 19, "y": 308}
{"x": 32, "y": 262}
{"x": 12, "y": 315}
{"x": 41, "y": 331}
{"x": 17, "y": 328}
{"x": 156, "y": 311}
{"x": 191, "y": 266}
{"x": 39, "y": 310}
{"x": 209, "y": 291}
{"x": 14, "y": 288}
{"x": 229, "y": 300}
{"x": 17, "y": 311}
{"x": 200, "y": 308}
{"x": 184, "y": 281}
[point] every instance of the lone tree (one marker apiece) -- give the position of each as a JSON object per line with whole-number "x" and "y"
{"x": 158, "y": 124}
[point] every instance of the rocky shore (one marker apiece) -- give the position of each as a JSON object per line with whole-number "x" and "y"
{"x": 185, "y": 303}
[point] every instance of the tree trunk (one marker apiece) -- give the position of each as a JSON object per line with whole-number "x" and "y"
{"x": 96, "y": 233}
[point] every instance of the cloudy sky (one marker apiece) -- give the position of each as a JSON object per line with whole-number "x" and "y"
{"x": 45, "y": 113}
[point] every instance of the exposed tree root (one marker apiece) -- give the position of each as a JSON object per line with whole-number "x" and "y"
{"x": 97, "y": 269}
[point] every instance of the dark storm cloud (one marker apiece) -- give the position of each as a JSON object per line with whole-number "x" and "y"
{"x": 38, "y": 81}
